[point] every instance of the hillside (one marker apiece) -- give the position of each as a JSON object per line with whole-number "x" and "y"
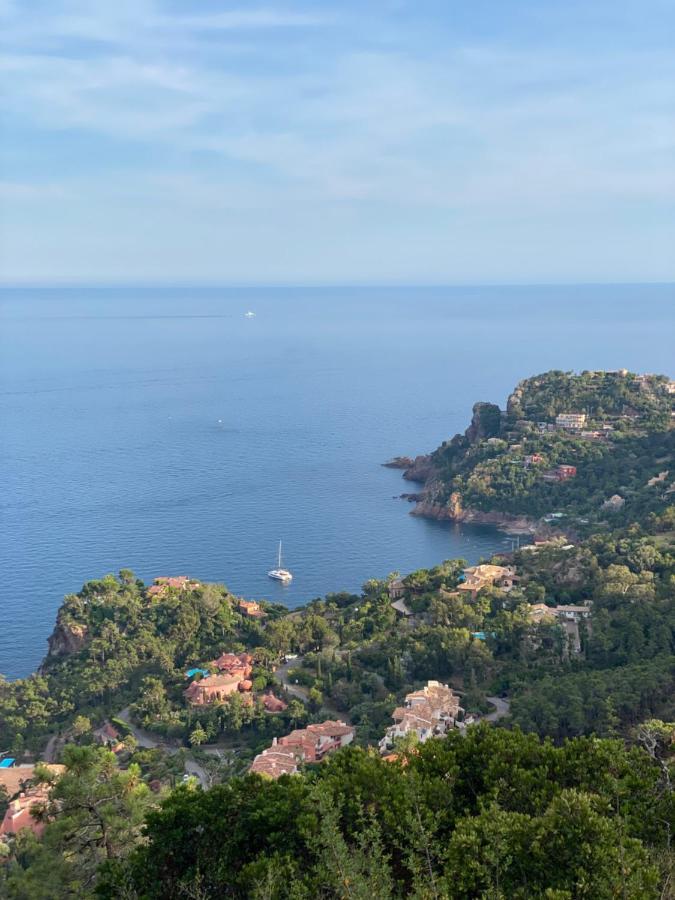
{"x": 598, "y": 447}
{"x": 551, "y": 778}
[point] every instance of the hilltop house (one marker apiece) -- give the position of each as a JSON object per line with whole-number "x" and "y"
{"x": 234, "y": 664}
{"x": 251, "y": 609}
{"x": 571, "y": 421}
{"x": 317, "y": 741}
{"x": 396, "y": 588}
{"x": 478, "y": 577}
{"x": 433, "y": 710}
{"x": 532, "y": 459}
{"x": 568, "y": 617}
{"x": 177, "y": 583}
{"x": 273, "y": 704}
{"x": 540, "y": 612}
{"x": 614, "y": 504}
{"x": 215, "y": 688}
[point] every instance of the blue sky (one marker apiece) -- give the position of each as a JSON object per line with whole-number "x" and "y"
{"x": 392, "y": 141}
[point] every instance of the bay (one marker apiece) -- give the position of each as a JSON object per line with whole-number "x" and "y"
{"x": 160, "y": 429}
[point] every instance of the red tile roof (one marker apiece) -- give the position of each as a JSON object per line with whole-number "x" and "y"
{"x": 331, "y": 729}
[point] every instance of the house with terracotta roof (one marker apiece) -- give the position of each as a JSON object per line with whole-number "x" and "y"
{"x": 177, "y": 583}
{"x": 215, "y": 689}
{"x": 478, "y": 577}
{"x": 273, "y": 704}
{"x": 560, "y": 473}
{"x": 251, "y": 608}
{"x": 240, "y": 664}
{"x": 316, "y": 741}
{"x": 431, "y": 711}
{"x": 23, "y": 796}
{"x": 310, "y": 745}
{"x": 19, "y": 814}
{"x": 275, "y": 762}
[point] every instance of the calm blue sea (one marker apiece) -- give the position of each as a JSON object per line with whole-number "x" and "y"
{"x": 161, "y": 430}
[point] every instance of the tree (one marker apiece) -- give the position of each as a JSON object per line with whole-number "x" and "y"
{"x": 93, "y": 816}
{"x": 81, "y": 726}
{"x": 198, "y": 736}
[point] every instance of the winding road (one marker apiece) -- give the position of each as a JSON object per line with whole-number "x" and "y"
{"x": 502, "y": 708}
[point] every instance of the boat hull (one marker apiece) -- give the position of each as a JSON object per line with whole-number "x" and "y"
{"x": 280, "y": 575}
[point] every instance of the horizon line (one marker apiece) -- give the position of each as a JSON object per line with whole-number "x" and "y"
{"x": 311, "y": 285}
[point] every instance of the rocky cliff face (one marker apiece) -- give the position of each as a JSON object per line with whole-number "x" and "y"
{"x": 485, "y": 422}
{"x": 66, "y": 638}
{"x": 453, "y": 512}
{"x": 421, "y": 470}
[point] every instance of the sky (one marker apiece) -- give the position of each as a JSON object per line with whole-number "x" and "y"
{"x": 362, "y": 141}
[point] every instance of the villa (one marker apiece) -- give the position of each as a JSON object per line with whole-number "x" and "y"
{"x": 215, "y": 688}
{"x": 478, "y": 577}
{"x": 251, "y": 609}
{"x": 431, "y": 711}
{"x": 571, "y": 421}
{"x": 275, "y": 762}
{"x": 311, "y": 745}
{"x": 177, "y": 583}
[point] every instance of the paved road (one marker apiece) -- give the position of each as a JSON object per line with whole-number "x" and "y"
{"x": 295, "y": 690}
{"x": 143, "y": 739}
{"x": 502, "y": 707}
{"x": 52, "y": 749}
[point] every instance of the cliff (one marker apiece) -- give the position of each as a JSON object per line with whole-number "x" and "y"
{"x": 67, "y": 637}
{"x": 502, "y": 469}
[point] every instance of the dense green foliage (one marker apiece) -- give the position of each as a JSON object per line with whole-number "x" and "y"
{"x": 486, "y": 468}
{"x": 493, "y": 814}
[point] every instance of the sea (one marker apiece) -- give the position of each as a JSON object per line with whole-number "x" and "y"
{"x": 162, "y": 430}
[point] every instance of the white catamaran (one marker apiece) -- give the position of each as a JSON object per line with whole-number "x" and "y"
{"x": 280, "y": 574}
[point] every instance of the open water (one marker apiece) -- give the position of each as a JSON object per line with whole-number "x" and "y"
{"x": 161, "y": 430}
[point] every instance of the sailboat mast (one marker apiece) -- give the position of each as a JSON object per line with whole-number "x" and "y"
{"x": 279, "y": 561}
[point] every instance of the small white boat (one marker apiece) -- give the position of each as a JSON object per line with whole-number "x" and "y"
{"x": 249, "y": 315}
{"x": 280, "y": 574}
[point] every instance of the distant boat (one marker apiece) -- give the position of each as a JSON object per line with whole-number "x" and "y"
{"x": 280, "y": 574}
{"x": 249, "y": 315}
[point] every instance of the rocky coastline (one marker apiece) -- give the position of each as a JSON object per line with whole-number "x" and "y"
{"x": 504, "y": 521}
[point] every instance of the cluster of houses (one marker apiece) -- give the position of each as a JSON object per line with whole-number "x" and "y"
{"x": 24, "y": 795}
{"x": 304, "y": 745}
{"x": 232, "y": 675}
{"x": 431, "y": 711}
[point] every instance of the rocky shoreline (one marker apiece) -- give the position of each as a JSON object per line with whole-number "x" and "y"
{"x": 420, "y": 469}
{"x": 504, "y": 521}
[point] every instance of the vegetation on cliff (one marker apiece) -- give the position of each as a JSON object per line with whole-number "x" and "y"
{"x": 501, "y": 463}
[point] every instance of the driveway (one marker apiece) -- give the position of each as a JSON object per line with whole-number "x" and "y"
{"x": 502, "y": 707}
{"x": 295, "y": 690}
